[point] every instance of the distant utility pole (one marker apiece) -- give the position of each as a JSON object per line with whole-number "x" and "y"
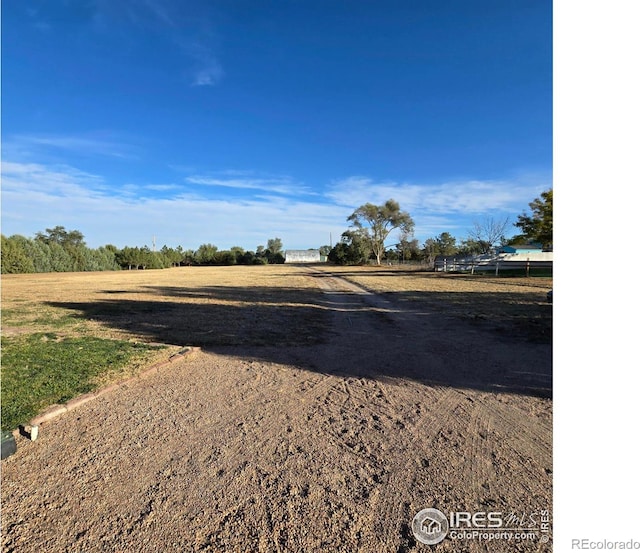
{"x": 154, "y": 243}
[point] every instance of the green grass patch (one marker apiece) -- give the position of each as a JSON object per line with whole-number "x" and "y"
{"x": 11, "y": 316}
{"x": 42, "y": 369}
{"x": 39, "y": 318}
{"x": 55, "y": 319}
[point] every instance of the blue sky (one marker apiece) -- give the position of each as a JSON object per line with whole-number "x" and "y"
{"x": 232, "y": 122}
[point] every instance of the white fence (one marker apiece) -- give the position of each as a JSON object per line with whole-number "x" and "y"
{"x": 502, "y": 263}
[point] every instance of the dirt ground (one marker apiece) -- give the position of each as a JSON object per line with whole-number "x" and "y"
{"x": 330, "y": 445}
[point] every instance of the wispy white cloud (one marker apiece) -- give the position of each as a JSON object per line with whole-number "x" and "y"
{"x": 209, "y": 75}
{"x": 61, "y": 180}
{"x": 142, "y": 13}
{"x": 35, "y": 144}
{"x": 206, "y": 67}
{"x": 161, "y": 10}
{"x": 190, "y": 31}
{"x": 162, "y": 187}
{"x": 36, "y": 196}
{"x": 139, "y": 191}
{"x": 456, "y": 197}
{"x": 452, "y": 206}
{"x": 277, "y": 185}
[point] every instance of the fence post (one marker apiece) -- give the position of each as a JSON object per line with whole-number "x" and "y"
{"x": 527, "y": 266}
{"x": 497, "y": 265}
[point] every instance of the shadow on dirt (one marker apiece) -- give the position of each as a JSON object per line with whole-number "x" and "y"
{"x": 214, "y": 315}
{"x": 429, "y": 339}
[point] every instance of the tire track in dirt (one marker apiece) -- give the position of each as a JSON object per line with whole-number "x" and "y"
{"x": 485, "y": 484}
{"x": 533, "y": 440}
{"x": 364, "y": 408}
{"x": 410, "y": 475}
{"x": 467, "y": 424}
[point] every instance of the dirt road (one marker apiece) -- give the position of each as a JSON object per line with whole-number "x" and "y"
{"x": 328, "y": 447}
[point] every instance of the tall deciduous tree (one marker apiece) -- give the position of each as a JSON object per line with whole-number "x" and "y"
{"x": 377, "y": 221}
{"x": 353, "y": 249}
{"x": 408, "y": 247}
{"x": 206, "y": 254}
{"x": 539, "y": 225}
{"x": 489, "y": 234}
{"x": 14, "y": 255}
{"x": 446, "y": 244}
{"x": 274, "y": 245}
{"x": 274, "y": 252}
{"x": 59, "y": 235}
{"x": 443, "y": 244}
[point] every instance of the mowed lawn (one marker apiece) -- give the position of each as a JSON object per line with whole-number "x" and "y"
{"x": 64, "y": 334}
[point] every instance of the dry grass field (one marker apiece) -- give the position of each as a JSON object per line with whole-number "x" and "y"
{"x": 326, "y": 407}
{"x": 180, "y": 306}
{"x": 515, "y": 306}
{"x": 275, "y": 304}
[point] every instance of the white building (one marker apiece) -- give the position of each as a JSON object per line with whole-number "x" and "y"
{"x": 302, "y": 256}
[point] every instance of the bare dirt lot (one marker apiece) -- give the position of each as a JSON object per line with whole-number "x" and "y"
{"x": 324, "y": 410}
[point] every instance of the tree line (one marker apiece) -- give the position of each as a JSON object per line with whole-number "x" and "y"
{"x": 58, "y": 249}
{"x": 62, "y": 250}
{"x": 371, "y": 224}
